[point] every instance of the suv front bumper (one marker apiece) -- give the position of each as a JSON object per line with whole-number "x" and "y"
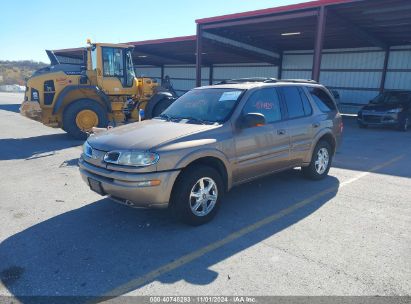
{"x": 378, "y": 118}
{"x": 130, "y": 188}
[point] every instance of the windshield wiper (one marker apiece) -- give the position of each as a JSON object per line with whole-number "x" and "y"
{"x": 194, "y": 119}
{"x": 166, "y": 117}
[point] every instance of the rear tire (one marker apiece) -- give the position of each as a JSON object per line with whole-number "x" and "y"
{"x": 72, "y": 117}
{"x": 320, "y": 162}
{"x": 362, "y": 125}
{"x": 197, "y": 195}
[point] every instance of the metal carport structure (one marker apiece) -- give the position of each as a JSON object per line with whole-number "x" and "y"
{"x": 320, "y": 24}
{"x": 359, "y": 47}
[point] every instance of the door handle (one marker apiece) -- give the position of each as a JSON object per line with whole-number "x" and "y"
{"x": 281, "y": 132}
{"x": 316, "y": 124}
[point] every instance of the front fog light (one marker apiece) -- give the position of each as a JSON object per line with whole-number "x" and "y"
{"x": 34, "y": 95}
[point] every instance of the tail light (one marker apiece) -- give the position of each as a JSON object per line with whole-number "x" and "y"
{"x": 34, "y": 95}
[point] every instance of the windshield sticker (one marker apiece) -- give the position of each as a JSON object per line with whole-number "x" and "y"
{"x": 264, "y": 105}
{"x": 233, "y": 95}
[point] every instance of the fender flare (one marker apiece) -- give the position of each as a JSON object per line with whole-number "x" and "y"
{"x": 154, "y": 100}
{"x": 315, "y": 141}
{"x": 68, "y": 89}
{"x": 202, "y": 153}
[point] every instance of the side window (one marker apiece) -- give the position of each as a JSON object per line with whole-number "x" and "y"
{"x": 94, "y": 59}
{"x": 294, "y": 101}
{"x": 308, "y": 110}
{"x": 266, "y": 102}
{"x": 398, "y": 97}
{"x": 322, "y": 100}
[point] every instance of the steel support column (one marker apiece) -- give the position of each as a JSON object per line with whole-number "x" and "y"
{"x": 319, "y": 41}
{"x": 280, "y": 66}
{"x": 199, "y": 51}
{"x": 384, "y": 70}
{"x": 211, "y": 75}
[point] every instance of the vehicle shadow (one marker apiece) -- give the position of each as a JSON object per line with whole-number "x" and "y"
{"x": 35, "y": 147}
{"x": 11, "y": 107}
{"x": 103, "y": 248}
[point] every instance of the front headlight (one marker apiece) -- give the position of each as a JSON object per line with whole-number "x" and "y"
{"x": 131, "y": 158}
{"x": 398, "y": 110}
{"x": 87, "y": 149}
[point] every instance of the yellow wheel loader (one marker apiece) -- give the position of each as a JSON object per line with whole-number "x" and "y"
{"x": 104, "y": 92}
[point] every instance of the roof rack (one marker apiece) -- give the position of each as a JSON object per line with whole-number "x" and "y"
{"x": 299, "y": 80}
{"x": 249, "y": 79}
{"x": 264, "y": 80}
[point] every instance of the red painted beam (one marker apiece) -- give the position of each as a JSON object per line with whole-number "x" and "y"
{"x": 274, "y": 10}
{"x": 384, "y": 71}
{"x": 319, "y": 41}
{"x": 261, "y": 19}
{"x": 164, "y": 40}
{"x": 199, "y": 51}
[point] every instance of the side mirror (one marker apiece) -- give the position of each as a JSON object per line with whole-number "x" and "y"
{"x": 251, "y": 120}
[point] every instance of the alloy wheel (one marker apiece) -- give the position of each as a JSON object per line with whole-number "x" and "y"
{"x": 203, "y": 196}
{"x": 321, "y": 163}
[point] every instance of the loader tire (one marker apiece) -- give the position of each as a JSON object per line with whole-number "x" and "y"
{"x": 81, "y": 116}
{"x": 161, "y": 106}
{"x": 157, "y": 104}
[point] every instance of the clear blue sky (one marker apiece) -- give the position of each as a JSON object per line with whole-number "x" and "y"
{"x": 30, "y": 27}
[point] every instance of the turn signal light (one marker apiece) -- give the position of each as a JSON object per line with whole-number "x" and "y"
{"x": 149, "y": 183}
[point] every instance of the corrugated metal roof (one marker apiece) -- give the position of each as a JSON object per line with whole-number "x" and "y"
{"x": 274, "y": 10}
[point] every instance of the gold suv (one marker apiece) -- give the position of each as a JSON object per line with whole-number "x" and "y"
{"x": 211, "y": 139}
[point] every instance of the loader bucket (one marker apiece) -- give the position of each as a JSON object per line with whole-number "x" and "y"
{"x": 31, "y": 109}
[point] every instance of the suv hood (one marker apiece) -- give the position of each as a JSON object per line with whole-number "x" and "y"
{"x": 144, "y": 135}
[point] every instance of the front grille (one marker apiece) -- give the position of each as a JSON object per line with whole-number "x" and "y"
{"x": 372, "y": 118}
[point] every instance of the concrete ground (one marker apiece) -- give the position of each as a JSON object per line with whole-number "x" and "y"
{"x": 349, "y": 234}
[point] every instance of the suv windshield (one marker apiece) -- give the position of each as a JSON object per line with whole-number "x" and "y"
{"x": 203, "y": 105}
{"x": 392, "y": 97}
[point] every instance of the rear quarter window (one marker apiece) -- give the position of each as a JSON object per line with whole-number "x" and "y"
{"x": 322, "y": 100}
{"x": 296, "y": 102}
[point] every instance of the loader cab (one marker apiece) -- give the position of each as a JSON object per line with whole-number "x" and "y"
{"x": 112, "y": 66}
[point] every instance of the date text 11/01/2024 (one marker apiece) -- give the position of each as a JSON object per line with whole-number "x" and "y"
{"x": 202, "y": 299}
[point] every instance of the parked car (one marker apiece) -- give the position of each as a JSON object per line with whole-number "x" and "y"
{"x": 212, "y": 139}
{"x": 391, "y": 108}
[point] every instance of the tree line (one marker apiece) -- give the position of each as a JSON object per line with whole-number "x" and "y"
{"x": 16, "y": 72}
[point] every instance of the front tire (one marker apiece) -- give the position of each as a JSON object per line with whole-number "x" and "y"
{"x": 197, "y": 195}
{"x": 403, "y": 126}
{"x": 362, "y": 125}
{"x": 320, "y": 162}
{"x": 81, "y": 116}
